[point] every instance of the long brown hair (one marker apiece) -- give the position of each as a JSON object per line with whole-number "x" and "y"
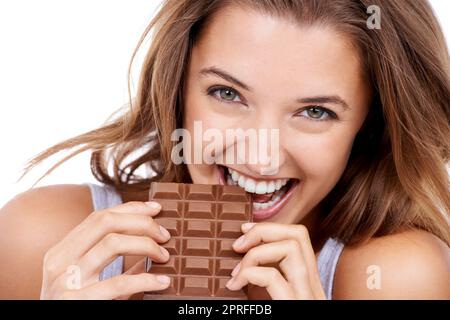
{"x": 396, "y": 176}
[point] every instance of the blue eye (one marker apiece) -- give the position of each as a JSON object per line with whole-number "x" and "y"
{"x": 225, "y": 94}
{"x": 316, "y": 113}
{"x": 228, "y": 95}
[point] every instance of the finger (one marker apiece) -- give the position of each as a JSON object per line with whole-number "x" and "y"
{"x": 114, "y": 219}
{"x": 255, "y": 233}
{"x": 132, "y": 217}
{"x": 120, "y": 286}
{"x": 113, "y": 245}
{"x": 137, "y": 207}
{"x": 291, "y": 262}
{"x": 95, "y": 227}
{"x": 138, "y": 268}
{"x": 269, "y": 278}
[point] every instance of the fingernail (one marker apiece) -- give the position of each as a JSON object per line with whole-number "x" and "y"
{"x": 164, "y": 251}
{"x": 164, "y": 232}
{"x": 236, "y": 269}
{"x": 163, "y": 279}
{"x": 229, "y": 283}
{"x": 153, "y": 205}
{"x": 239, "y": 242}
{"x": 247, "y": 226}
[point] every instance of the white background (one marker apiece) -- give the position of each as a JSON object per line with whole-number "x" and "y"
{"x": 63, "y": 71}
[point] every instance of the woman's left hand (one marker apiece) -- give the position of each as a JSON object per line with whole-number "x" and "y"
{"x": 288, "y": 245}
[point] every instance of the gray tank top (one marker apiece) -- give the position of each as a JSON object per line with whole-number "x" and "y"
{"x": 105, "y": 197}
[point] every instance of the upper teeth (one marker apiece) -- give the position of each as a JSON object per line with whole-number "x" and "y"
{"x": 258, "y": 187}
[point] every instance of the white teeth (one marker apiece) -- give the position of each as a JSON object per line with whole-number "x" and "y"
{"x": 271, "y": 187}
{"x": 241, "y": 182}
{"x": 265, "y": 205}
{"x": 261, "y": 188}
{"x": 250, "y": 185}
{"x": 278, "y": 184}
{"x": 234, "y": 175}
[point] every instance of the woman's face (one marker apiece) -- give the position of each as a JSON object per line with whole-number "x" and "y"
{"x": 305, "y": 82}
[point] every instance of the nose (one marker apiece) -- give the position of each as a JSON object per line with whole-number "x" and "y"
{"x": 264, "y": 149}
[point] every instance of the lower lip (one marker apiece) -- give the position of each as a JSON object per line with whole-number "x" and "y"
{"x": 267, "y": 213}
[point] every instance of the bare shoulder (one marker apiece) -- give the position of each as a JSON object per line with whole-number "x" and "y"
{"x": 31, "y": 223}
{"x": 414, "y": 264}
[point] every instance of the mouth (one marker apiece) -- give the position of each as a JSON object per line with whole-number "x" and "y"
{"x": 269, "y": 196}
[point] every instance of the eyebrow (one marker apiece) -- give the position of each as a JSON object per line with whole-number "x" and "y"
{"x": 325, "y": 99}
{"x": 224, "y": 75}
{"x": 333, "y": 99}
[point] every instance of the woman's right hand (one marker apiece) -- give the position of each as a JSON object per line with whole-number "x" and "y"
{"x": 71, "y": 268}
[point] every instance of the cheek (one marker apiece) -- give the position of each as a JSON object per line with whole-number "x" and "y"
{"x": 197, "y": 119}
{"x": 196, "y": 112}
{"x": 197, "y": 109}
{"x": 203, "y": 116}
{"x": 323, "y": 157}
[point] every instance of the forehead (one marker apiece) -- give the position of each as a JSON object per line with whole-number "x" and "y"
{"x": 265, "y": 50}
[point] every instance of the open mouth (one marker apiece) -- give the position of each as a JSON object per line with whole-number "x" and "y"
{"x": 269, "y": 196}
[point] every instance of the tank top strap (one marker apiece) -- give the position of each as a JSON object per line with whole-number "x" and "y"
{"x": 326, "y": 263}
{"x": 104, "y": 197}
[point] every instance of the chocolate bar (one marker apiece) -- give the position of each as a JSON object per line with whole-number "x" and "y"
{"x": 204, "y": 221}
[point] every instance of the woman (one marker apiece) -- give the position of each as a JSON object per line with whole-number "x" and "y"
{"x": 359, "y": 201}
